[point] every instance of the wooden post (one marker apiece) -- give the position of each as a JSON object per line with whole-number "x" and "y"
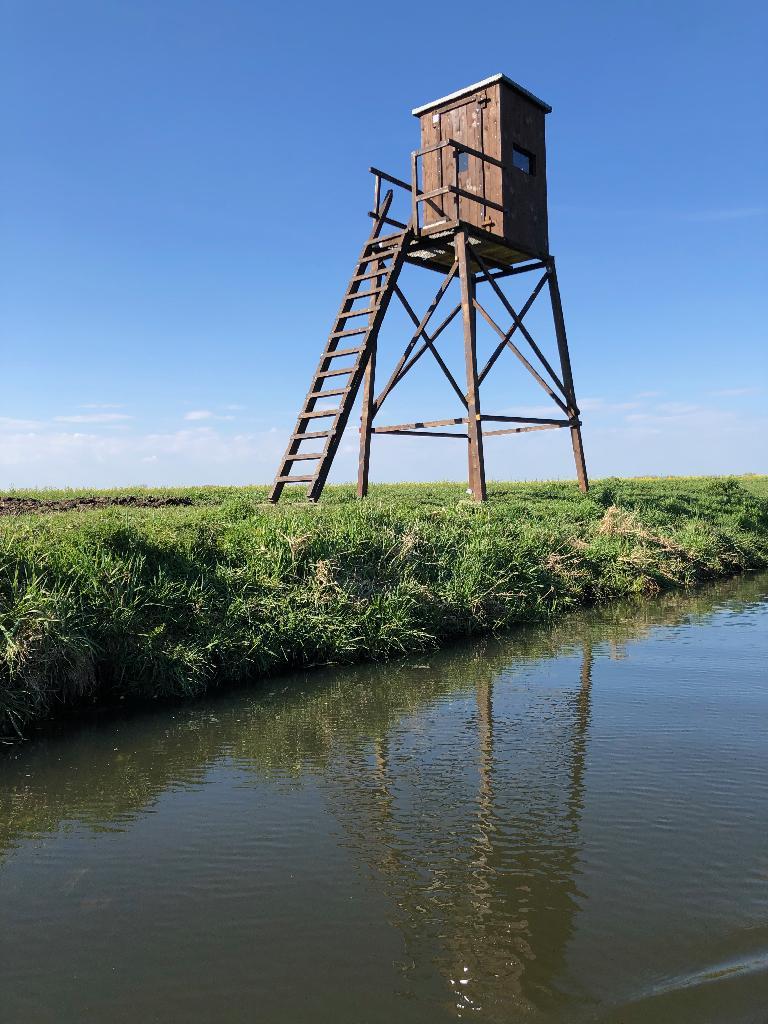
{"x": 567, "y": 375}
{"x": 367, "y": 412}
{"x": 474, "y": 425}
{"x": 415, "y": 192}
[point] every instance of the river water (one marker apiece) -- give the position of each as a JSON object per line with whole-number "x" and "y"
{"x": 566, "y": 824}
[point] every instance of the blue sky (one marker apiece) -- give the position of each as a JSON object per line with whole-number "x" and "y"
{"x": 165, "y": 164}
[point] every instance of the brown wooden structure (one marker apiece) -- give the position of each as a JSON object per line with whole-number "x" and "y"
{"x": 478, "y": 214}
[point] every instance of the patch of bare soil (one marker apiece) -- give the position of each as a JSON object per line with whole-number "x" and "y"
{"x": 23, "y": 506}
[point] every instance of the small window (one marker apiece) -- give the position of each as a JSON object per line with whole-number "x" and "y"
{"x": 523, "y": 160}
{"x": 463, "y": 162}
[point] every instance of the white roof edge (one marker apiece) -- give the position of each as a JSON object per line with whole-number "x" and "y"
{"x": 479, "y": 85}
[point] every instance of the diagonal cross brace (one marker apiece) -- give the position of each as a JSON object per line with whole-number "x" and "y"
{"x": 429, "y": 342}
{"x": 420, "y": 351}
{"x": 503, "y": 343}
{"x": 531, "y": 369}
{"x": 517, "y": 320}
{"x": 396, "y": 373}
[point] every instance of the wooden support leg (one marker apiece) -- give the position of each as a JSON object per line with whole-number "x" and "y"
{"x": 367, "y": 411}
{"x": 578, "y": 456}
{"x": 474, "y": 425}
{"x": 366, "y": 418}
{"x": 567, "y": 376}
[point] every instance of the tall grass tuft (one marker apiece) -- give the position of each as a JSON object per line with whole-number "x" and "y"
{"x": 108, "y": 604}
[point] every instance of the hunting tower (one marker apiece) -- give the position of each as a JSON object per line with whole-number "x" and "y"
{"x": 477, "y": 213}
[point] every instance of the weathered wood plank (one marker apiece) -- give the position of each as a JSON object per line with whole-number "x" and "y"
{"x": 474, "y": 425}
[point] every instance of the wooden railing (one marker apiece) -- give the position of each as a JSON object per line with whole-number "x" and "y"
{"x": 417, "y": 197}
{"x": 378, "y": 177}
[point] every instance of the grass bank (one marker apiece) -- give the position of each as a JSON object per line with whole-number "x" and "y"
{"x": 105, "y": 603}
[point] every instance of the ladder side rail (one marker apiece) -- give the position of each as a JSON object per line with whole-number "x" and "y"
{"x": 316, "y": 487}
{"x": 333, "y": 342}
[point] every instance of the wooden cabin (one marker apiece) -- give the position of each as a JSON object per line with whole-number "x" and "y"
{"x": 504, "y": 123}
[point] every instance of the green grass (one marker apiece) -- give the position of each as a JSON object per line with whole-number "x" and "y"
{"x": 101, "y": 605}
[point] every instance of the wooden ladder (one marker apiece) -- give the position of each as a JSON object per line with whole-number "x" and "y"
{"x": 377, "y": 268}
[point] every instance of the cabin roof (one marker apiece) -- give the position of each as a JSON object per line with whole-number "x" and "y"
{"x": 417, "y": 111}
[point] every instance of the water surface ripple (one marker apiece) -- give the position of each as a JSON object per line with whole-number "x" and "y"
{"x": 564, "y": 825}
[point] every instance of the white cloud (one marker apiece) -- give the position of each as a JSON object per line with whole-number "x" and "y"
{"x": 735, "y": 392}
{"x": 205, "y": 414}
{"x": 94, "y": 417}
{"x": 189, "y": 456}
{"x": 602, "y": 405}
{"x": 666, "y": 412}
{"x": 8, "y": 423}
{"x": 620, "y": 439}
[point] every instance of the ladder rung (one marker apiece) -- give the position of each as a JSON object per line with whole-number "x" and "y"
{"x": 363, "y": 295}
{"x": 346, "y": 334}
{"x": 318, "y": 414}
{"x": 390, "y": 240}
{"x": 302, "y": 458}
{"x": 328, "y": 394}
{"x": 357, "y": 312}
{"x": 372, "y": 273}
{"x": 384, "y": 254}
{"x": 335, "y": 373}
{"x": 294, "y": 480}
{"x": 342, "y": 352}
{"x": 311, "y": 433}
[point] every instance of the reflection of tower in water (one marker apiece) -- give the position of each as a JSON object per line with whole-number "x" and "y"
{"x": 470, "y": 825}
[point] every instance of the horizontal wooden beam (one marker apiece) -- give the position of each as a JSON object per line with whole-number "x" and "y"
{"x": 455, "y": 144}
{"x": 525, "y": 419}
{"x": 390, "y": 178}
{"x": 430, "y": 149}
{"x": 445, "y": 190}
{"x": 433, "y": 193}
{"x": 419, "y": 433}
{"x": 475, "y": 152}
{"x": 477, "y": 199}
{"x": 421, "y": 425}
{"x": 388, "y": 220}
{"x": 510, "y": 271}
{"x": 523, "y": 430}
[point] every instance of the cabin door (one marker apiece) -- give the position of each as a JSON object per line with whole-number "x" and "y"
{"x": 464, "y": 124}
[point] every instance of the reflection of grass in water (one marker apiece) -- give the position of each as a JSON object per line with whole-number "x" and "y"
{"x": 500, "y": 898}
{"x": 300, "y": 724}
{"x": 103, "y": 604}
